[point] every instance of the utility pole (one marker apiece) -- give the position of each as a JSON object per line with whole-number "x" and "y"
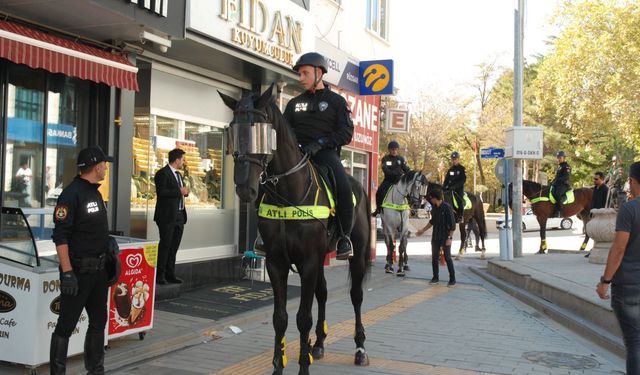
{"x": 518, "y": 62}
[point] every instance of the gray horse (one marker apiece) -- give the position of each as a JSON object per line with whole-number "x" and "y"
{"x": 395, "y": 216}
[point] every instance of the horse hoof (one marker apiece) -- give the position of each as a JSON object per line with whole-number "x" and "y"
{"x": 362, "y": 359}
{"x": 317, "y": 352}
{"x": 400, "y": 273}
{"x": 540, "y": 252}
{"x": 458, "y": 257}
{"x": 388, "y": 270}
{"x": 303, "y": 371}
{"x": 406, "y": 268}
{"x": 278, "y": 371}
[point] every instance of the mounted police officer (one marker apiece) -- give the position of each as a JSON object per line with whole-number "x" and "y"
{"x": 561, "y": 182}
{"x": 393, "y": 167}
{"x": 321, "y": 121}
{"x": 454, "y": 183}
{"x": 81, "y": 235}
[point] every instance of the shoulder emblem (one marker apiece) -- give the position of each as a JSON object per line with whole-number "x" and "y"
{"x": 61, "y": 212}
{"x": 323, "y": 106}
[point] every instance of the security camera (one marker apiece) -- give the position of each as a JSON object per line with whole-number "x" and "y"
{"x": 163, "y": 49}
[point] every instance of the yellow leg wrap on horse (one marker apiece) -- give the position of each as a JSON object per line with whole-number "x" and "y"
{"x": 310, "y": 358}
{"x": 584, "y": 246}
{"x": 544, "y": 244}
{"x": 326, "y": 328}
{"x": 284, "y": 352}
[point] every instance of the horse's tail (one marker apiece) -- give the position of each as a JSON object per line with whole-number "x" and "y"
{"x": 480, "y": 219}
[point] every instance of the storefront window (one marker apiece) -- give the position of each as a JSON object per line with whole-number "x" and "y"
{"x": 355, "y": 164}
{"x": 23, "y": 158}
{"x": 203, "y": 169}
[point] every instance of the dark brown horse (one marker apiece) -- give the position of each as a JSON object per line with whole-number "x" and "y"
{"x": 295, "y": 222}
{"x": 476, "y": 212}
{"x": 544, "y": 209}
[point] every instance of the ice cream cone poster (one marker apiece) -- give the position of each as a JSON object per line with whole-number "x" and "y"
{"x": 131, "y": 298}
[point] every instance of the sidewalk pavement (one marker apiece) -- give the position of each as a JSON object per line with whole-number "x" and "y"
{"x": 173, "y": 332}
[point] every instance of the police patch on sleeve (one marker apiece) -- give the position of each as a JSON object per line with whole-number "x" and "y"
{"x": 61, "y": 212}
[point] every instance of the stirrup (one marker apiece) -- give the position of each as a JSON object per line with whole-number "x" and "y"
{"x": 347, "y": 254}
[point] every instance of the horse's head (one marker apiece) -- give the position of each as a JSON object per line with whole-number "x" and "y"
{"x": 415, "y": 186}
{"x": 251, "y": 139}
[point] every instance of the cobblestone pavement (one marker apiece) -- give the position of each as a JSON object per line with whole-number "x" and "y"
{"x": 412, "y": 328}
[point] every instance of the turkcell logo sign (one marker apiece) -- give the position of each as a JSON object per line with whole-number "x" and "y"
{"x": 376, "y": 77}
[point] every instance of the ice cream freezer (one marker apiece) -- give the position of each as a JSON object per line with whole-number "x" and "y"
{"x": 30, "y": 292}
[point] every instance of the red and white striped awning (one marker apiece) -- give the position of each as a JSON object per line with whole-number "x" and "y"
{"x": 37, "y": 49}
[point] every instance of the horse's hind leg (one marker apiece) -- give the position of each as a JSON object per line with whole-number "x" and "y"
{"x": 358, "y": 268}
{"x": 304, "y": 318}
{"x": 463, "y": 241}
{"x": 321, "y": 325}
{"x": 278, "y": 273}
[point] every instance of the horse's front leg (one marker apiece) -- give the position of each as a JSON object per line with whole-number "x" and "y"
{"x": 321, "y": 325}
{"x": 543, "y": 235}
{"x": 278, "y": 273}
{"x": 389, "y": 241}
{"x": 357, "y": 266}
{"x": 402, "y": 254}
{"x": 304, "y": 318}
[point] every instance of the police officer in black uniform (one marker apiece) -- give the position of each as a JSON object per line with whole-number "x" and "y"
{"x": 561, "y": 182}
{"x": 454, "y": 183}
{"x": 393, "y": 167}
{"x": 322, "y": 123}
{"x": 81, "y": 235}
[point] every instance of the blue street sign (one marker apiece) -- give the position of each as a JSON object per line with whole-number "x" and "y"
{"x": 376, "y": 77}
{"x": 491, "y": 153}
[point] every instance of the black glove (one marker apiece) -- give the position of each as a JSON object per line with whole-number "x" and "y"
{"x": 69, "y": 283}
{"x": 312, "y": 148}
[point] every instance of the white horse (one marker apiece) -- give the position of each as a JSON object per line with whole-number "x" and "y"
{"x": 396, "y": 210}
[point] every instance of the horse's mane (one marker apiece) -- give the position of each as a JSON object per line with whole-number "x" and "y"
{"x": 532, "y": 184}
{"x": 408, "y": 177}
{"x": 279, "y": 121}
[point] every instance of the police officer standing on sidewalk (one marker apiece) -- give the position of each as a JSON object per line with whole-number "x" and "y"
{"x": 393, "y": 167}
{"x": 81, "y": 235}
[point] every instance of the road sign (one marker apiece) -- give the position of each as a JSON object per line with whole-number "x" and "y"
{"x": 502, "y": 169}
{"x": 491, "y": 153}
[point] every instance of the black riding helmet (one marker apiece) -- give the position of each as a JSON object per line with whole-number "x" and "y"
{"x": 393, "y": 144}
{"x": 560, "y": 153}
{"x": 311, "y": 58}
{"x": 455, "y": 155}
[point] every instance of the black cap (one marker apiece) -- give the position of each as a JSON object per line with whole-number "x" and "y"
{"x": 92, "y": 155}
{"x": 312, "y": 58}
{"x": 634, "y": 171}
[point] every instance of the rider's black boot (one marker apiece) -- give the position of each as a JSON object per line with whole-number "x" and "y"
{"x": 344, "y": 248}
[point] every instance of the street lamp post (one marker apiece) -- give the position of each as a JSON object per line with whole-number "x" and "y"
{"x": 517, "y": 121}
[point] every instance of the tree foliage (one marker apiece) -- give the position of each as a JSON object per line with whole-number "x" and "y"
{"x": 588, "y": 88}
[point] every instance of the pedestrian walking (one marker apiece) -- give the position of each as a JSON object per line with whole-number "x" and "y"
{"x": 81, "y": 235}
{"x": 444, "y": 224}
{"x": 170, "y": 215}
{"x": 623, "y": 272}
{"x": 600, "y": 191}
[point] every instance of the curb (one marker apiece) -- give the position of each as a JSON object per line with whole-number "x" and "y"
{"x": 563, "y": 316}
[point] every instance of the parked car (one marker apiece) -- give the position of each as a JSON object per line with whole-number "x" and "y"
{"x": 530, "y": 222}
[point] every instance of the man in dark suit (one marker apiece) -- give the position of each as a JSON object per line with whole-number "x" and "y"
{"x": 170, "y": 215}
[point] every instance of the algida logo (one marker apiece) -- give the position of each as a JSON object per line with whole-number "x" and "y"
{"x": 7, "y": 302}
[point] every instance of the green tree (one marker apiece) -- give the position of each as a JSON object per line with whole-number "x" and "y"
{"x": 587, "y": 89}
